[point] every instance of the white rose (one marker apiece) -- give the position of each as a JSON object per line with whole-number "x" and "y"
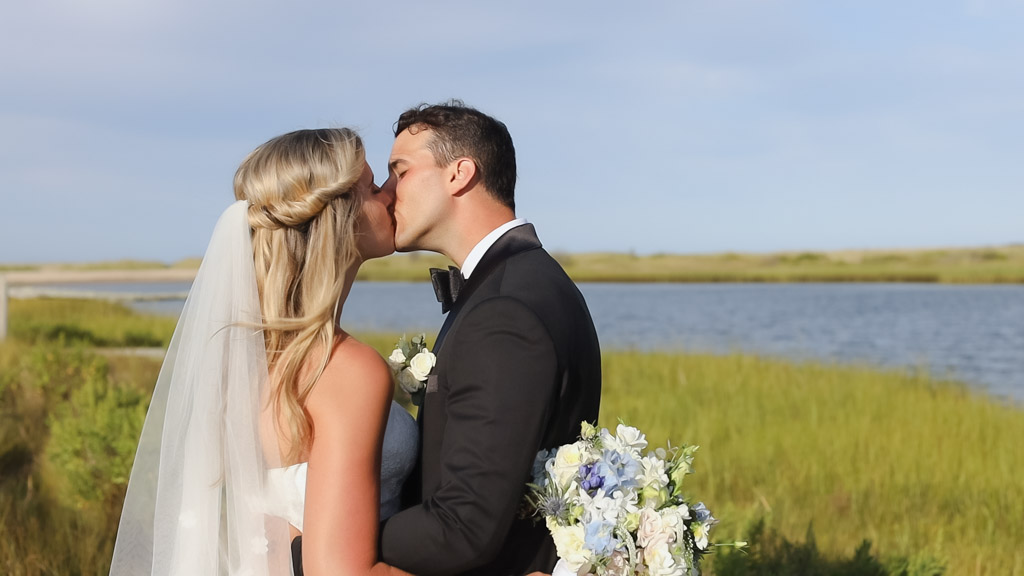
{"x": 654, "y": 474}
{"x": 408, "y": 381}
{"x": 660, "y": 562}
{"x": 569, "y": 544}
{"x": 651, "y": 526}
{"x": 566, "y": 464}
{"x": 397, "y": 359}
{"x": 672, "y": 519}
{"x": 608, "y": 440}
{"x": 421, "y": 365}
{"x": 630, "y": 438}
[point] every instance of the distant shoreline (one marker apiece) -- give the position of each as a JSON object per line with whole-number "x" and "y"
{"x": 987, "y": 265}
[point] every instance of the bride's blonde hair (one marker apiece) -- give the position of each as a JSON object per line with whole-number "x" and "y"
{"x": 303, "y": 211}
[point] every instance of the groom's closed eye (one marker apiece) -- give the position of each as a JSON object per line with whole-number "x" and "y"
{"x": 396, "y": 168}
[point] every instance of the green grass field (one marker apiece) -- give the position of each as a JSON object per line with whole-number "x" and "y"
{"x": 915, "y": 465}
{"x": 953, "y": 266}
{"x": 988, "y": 265}
{"x": 92, "y": 322}
{"x": 927, "y": 470}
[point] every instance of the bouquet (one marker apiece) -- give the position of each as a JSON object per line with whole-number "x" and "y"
{"x": 613, "y": 511}
{"x": 411, "y": 362}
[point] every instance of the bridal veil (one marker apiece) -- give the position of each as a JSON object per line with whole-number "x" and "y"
{"x": 194, "y": 504}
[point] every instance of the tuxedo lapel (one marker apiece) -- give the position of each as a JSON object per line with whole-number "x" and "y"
{"x": 516, "y": 240}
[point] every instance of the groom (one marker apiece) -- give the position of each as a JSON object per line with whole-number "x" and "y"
{"x": 518, "y": 362}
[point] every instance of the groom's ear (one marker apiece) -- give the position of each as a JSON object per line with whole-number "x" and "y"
{"x": 462, "y": 176}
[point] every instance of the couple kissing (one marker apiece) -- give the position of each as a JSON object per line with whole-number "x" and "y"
{"x": 273, "y": 445}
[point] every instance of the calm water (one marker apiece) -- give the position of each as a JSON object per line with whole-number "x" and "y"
{"x": 975, "y": 333}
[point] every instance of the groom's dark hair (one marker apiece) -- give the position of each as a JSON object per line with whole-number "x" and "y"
{"x": 464, "y": 132}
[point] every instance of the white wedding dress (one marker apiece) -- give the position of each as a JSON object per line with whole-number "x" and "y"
{"x": 286, "y": 487}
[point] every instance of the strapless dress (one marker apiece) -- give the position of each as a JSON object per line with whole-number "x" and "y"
{"x": 285, "y": 489}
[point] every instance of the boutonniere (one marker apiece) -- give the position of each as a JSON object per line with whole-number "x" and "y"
{"x": 411, "y": 362}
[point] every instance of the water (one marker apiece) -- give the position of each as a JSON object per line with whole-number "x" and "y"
{"x": 973, "y": 333}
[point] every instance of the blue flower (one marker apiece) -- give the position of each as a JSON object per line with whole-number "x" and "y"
{"x": 597, "y": 537}
{"x": 591, "y": 479}
{"x": 702, "y": 514}
{"x": 540, "y": 476}
{"x": 618, "y": 469}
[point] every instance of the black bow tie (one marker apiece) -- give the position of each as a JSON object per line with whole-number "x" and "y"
{"x": 447, "y": 285}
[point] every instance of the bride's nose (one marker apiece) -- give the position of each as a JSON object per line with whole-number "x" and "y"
{"x": 387, "y": 189}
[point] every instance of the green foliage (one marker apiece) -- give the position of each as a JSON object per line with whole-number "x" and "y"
{"x": 69, "y": 422}
{"x": 768, "y": 553}
{"x": 55, "y": 369}
{"x": 115, "y": 265}
{"x": 925, "y": 470}
{"x": 916, "y": 465}
{"x": 89, "y": 322}
{"x": 803, "y": 258}
{"x": 965, "y": 265}
{"x": 32, "y": 381}
{"x": 93, "y": 436}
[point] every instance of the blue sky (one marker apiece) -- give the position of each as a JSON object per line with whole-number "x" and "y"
{"x": 681, "y": 126}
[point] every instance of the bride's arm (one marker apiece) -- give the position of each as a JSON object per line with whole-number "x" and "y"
{"x": 349, "y": 407}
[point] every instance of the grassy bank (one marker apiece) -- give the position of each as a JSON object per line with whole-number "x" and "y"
{"x": 90, "y": 322}
{"x": 917, "y": 466}
{"x": 991, "y": 265}
{"x": 953, "y": 266}
{"x": 69, "y": 422}
{"x": 926, "y": 470}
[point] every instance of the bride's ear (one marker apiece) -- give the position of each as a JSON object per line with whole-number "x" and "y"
{"x": 462, "y": 176}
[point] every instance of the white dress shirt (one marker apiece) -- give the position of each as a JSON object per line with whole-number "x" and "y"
{"x": 481, "y": 247}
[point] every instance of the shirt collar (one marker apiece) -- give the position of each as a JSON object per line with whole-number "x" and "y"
{"x": 481, "y": 247}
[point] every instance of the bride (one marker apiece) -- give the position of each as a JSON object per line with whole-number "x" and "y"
{"x": 268, "y": 420}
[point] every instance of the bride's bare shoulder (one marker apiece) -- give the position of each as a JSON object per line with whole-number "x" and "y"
{"x": 355, "y": 368}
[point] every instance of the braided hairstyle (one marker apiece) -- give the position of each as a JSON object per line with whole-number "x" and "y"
{"x": 303, "y": 211}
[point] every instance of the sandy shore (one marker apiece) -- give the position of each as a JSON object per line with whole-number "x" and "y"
{"x": 98, "y": 276}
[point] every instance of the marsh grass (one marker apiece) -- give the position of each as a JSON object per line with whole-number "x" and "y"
{"x": 984, "y": 265}
{"x": 927, "y": 470}
{"x": 1004, "y": 264}
{"x": 962, "y": 265}
{"x": 92, "y": 322}
{"x": 49, "y": 524}
{"x": 915, "y": 465}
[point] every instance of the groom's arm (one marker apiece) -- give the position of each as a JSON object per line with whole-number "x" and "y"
{"x": 502, "y": 384}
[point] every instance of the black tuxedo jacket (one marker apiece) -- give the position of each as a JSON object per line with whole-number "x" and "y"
{"x": 518, "y": 368}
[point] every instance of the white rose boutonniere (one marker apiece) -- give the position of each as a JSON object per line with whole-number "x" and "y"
{"x": 421, "y": 364}
{"x": 411, "y": 363}
{"x": 397, "y": 359}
